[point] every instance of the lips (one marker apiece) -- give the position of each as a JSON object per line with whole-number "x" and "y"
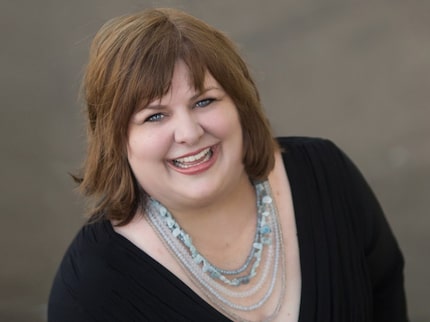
{"x": 193, "y": 160}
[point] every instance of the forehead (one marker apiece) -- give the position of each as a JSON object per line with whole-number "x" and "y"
{"x": 183, "y": 76}
{"x": 183, "y": 82}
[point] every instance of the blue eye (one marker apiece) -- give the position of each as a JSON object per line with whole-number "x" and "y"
{"x": 154, "y": 118}
{"x": 205, "y": 102}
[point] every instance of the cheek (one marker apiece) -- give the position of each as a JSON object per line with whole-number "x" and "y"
{"x": 137, "y": 153}
{"x": 225, "y": 123}
{"x": 146, "y": 146}
{"x": 133, "y": 148}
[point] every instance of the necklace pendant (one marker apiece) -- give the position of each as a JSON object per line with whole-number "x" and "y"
{"x": 219, "y": 284}
{"x": 244, "y": 280}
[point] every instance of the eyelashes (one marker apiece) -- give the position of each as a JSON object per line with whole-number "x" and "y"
{"x": 205, "y": 102}
{"x": 157, "y": 117}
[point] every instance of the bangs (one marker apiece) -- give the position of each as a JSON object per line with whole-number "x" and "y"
{"x": 131, "y": 63}
{"x": 151, "y": 76}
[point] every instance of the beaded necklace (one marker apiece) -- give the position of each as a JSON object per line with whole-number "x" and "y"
{"x": 224, "y": 292}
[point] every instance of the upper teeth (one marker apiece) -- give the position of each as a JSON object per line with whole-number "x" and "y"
{"x": 195, "y": 157}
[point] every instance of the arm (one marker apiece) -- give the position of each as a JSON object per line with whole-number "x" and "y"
{"x": 384, "y": 259}
{"x": 62, "y": 305}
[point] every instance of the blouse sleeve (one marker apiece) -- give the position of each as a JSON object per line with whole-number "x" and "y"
{"x": 63, "y": 305}
{"x": 385, "y": 262}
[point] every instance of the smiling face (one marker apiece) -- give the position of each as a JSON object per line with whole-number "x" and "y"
{"x": 186, "y": 149}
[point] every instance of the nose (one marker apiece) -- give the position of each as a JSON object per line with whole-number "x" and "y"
{"x": 188, "y": 129}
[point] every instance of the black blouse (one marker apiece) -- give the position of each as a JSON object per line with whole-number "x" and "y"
{"x": 351, "y": 265}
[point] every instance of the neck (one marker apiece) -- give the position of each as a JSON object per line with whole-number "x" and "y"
{"x": 217, "y": 225}
{"x": 211, "y": 275}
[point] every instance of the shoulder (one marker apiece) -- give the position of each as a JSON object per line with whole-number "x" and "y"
{"x": 100, "y": 267}
{"x": 100, "y": 263}
{"x": 86, "y": 259}
{"x": 321, "y": 172}
{"x": 312, "y": 153}
{"x": 91, "y": 243}
{"x": 83, "y": 275}
{"x": 321, "y": 161}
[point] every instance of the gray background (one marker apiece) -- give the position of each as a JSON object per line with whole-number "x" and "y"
{"x": 357, "y": 72}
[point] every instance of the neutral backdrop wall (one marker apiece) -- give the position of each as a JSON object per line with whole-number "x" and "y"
{"x": 357, "y": 72}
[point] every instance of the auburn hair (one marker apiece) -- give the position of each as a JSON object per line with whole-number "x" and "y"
{"x": 131, "y": 63}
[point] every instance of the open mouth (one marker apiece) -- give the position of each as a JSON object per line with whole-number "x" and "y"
{"x": 193, "y": 160}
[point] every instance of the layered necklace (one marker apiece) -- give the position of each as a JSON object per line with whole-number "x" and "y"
{"x": 228, "y": 289}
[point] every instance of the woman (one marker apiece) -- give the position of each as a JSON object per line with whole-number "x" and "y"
{"x": 198, "y": 213}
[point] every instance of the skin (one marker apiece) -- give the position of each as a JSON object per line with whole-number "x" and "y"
{"x": 212, "y": 197}
{"x": 184, "y": 123}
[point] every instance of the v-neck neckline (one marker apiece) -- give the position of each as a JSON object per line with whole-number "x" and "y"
{"x": 302, "y": 244}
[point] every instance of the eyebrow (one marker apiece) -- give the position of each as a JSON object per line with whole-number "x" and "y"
{"x": 207, "y": 89}
{"x": 155, "y": 106}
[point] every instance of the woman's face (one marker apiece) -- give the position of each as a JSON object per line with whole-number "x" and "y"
{"x": 185, "y": 149}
